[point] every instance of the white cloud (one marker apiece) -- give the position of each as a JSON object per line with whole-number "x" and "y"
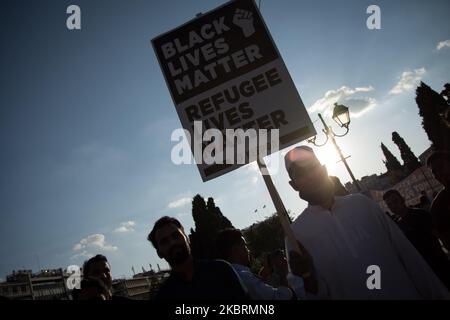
{"x": 125, "y": 227}
{"x": 408, "y": 81}
{"x": 443, "y": 44}
{"x": 84, "y": 255}
{"x": 179, "y": 203}
{"x": 96, "y": 241}
{"x": 345, "y": 95}
{"x": 360, "y": 106}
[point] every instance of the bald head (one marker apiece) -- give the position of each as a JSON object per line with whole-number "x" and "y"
{"x": 301, "y": 158}
{"x": 308, "y": 177}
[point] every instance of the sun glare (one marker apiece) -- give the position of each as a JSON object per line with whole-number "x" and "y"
{"x": 328, "y": 156}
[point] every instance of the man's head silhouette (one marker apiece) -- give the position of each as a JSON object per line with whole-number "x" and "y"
{"x": 308, "y": 177}
{"x": 170, "y": 241}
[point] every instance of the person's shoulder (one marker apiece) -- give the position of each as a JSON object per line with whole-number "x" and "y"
{"x": 305, "y": 214}
{"x": 417, "y": 212}
{"x": 218, "y": 264}
{"x": 305, "y": 221}
{"x": 169, "y": 282}
{"x": 361, "y": 205}
{"x": 355, "y": 197}
{"x": 240, "y": 269}
{"x": 166, "y": 289}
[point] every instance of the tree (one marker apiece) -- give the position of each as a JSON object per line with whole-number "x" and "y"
{"x": 393, "y": 166}
{"x": 446, "y": 92}
{"x": 446, "y": 95}
{"x": 209, "y": 221}
{"x": 222, "y": 222}
{"x": 410, "y": 161}
{"x": 432, "y": 106}
{"x": 264, "y": 236}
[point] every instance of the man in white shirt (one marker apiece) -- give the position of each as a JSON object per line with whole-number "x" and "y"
{"x": 357, "y": 251}
{"x": 233, "y": 248}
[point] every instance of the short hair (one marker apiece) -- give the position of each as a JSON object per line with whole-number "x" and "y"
{"x": 391, "y": 193}
{"x": 225, "y": 241}
{"x": 161, "y": 222}
{"x": 436, "y": 155}
{"x": 88, "y": 264}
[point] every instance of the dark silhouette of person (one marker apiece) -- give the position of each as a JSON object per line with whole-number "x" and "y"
{"x": 265, "y": 271}
{"x": 97, "y": 281}
{"x": 278, "y": 264}
{"x": 346, "y": 235}
{"x": 439, "y": 163}
{"x": 233, "y": 248}
{"x": 191, "y": 279}
{"x": 446, "y": 92}
{"x": 416, "y": 224}
{"x": 93, "y": 289}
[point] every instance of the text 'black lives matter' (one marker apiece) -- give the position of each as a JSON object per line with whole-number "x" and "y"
{"x": 211, "y": 50}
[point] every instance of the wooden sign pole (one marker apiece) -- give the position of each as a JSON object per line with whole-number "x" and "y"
{"x": 279, "y": 206}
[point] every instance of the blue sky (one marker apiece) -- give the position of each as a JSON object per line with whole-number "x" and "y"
{"x": 86, "y": 118}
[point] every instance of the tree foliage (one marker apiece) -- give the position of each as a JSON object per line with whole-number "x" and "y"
{"x": 410, "y": 161}
{"x": 432, "y": 109}
{"x": 265, "y": 236}
{"x": 393, "y": 166}
{"x": 209, "y": 221}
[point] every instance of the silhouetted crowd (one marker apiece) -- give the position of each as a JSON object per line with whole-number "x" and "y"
{"x": 349, "y": 248}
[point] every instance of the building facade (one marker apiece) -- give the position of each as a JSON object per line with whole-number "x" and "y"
{"x": 142, "y": 286}
{"x": 44, "y": 285}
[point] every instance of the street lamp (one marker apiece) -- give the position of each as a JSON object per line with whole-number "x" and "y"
{"x": 341, "y": 116}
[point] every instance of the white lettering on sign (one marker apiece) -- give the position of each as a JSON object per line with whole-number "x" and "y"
{"x": 225, "y": 73}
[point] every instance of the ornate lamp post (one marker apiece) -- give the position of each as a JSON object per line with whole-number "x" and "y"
{"x": 341, "y": 116}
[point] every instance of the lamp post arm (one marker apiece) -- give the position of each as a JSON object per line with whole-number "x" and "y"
{"x": 339, "y": 135}
{"x": 313, "y": 141}
{"x": 326, "y": 128}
